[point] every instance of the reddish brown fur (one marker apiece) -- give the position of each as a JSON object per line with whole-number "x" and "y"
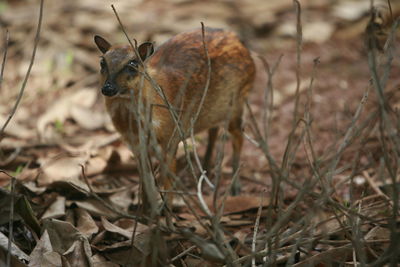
{"x": 179, "y": 66}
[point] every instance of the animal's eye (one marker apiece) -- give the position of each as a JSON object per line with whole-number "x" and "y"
{"x": 132, "y": 64}
{"x": 131, "y": 67}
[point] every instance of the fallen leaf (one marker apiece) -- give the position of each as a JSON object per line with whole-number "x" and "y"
{"x": 318, "y": 31}
{"x": 234, "y": 204}
{"x": 43, "y": 246}
{"x": 61, "y": 109}
{"x": 17, "y": 254}
{"x": 60, "y": 169}
{"x": 87, "y": 118}
{"x": 340, "y": 254}
{"x": 122, "y": 199}
{"x": 16, "y": 129}
{"x": 351, "y": 10}
{"x": 115, "y": 229}
{"x": 85, "y": 223}
{"x": 79, "y": 254}
{"x": 96, "y": 208}
{"x": 62, "y": 235}
{"x": 73, "y": 188}
{"x": 100, "y": 261}
{"x": 56, "y": 209}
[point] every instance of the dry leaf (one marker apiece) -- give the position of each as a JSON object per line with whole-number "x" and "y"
{"x": 328, "y": 257}
{"x": 16, "y": 129}
{"x": 61, "y": 109}
{"x": 96, "y": 208}
{"x": 318, "y": 31}
{"x": 60, "y": 169}
{"x": 16, "y": 253}
{"x": 79, "y": 254}
{"x": 234, "y": 204}
{"x": 122, "y": 199}
{"x": 87, "y": 118}
{"x": 85, "y": 223}
{"x": 43, "y": 246}
{"x": 56, "y": 209}
{"x": 115, "y": 229}
{"x": 99, "y": 261}
{"x": 351, "y": 10}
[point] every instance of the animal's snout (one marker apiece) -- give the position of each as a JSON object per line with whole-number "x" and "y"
{"x": 109, "y": 89}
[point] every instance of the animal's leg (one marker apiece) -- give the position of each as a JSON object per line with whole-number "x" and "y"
{"x": 235, "y": 129}
{"x": 212, "y": 138}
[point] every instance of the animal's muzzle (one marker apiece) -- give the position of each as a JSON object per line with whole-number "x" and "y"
{"x": 109, "y": 89}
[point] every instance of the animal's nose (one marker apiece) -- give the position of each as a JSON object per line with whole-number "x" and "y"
{"x": 109, "y": 89}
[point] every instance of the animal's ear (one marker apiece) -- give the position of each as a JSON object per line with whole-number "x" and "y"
{"x": 102, "y": 44}
{"x": 145, "y": 50}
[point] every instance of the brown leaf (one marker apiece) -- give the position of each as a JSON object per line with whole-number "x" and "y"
{"x": 31, "y": 186}
{"x": 43, "y": 246}
{"x": 122, "y": 199}
{"x": 242, "y": 203}
{"x": 87, "y": 118}
{"x": 100, "y": 261}
{"x": 16, "y": 129}
{"x": 79, "y": 254}
{"x": 62, "y": 234}
{"x": 351, "y": 10}
{"x": 85, "y": 223}
{"x": 56, "y": 209}
{"x": 95, "y": 165}
{"x": 69, "y": 242}
{"x": 378, "y": 233}
{"x": 340, "y": 254}
{"x": 73, "y": 188}
{"x": 115, "y": 229}
{"x": 61, "y": 109}
{"x": 17, "y": 255}
{"x": 63, "y": 168}
{"x": 96, "y": 208}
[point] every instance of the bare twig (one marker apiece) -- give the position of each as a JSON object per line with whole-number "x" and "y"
{"x": 92, "y": 193}
{"x": 200, "y": 195}
{"x": 11, "y": 222}
{"x": 21, "y": 93}
{"x": 183, "y": 253}
{"x": 299, "y": 43}
{"x": 197, "y": 159}
{"x": 257, "y": 223}
{"x": 390, "y": 10}
{"x": 207, "y": 85}
{"x": 3, "y": 64}
{"x": 376, "y": 188}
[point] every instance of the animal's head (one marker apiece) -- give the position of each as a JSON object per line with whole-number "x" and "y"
{"x": 120, "y": 67}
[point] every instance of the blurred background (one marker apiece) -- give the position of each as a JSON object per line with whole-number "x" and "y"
{"x": 62, "y": 101}
{"x": 62, "y": 104}
{"x": 61, "y": 122}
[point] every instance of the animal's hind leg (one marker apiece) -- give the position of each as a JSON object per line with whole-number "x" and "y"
{"x": 235, "y": 129}
{"x": 212, "y": 138}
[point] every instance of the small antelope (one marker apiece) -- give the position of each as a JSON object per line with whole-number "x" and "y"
{"x": 180, "y": 68}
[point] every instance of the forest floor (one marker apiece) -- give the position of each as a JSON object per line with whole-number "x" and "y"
{"x": 330, "y": 197}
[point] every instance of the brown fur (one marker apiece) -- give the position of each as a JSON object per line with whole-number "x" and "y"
{"x": 179, "y": 66}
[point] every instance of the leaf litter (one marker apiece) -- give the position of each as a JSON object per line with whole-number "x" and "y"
{"x": 62, "y": 144}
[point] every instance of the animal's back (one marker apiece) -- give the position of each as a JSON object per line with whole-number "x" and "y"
{"x": 180, "y": 67}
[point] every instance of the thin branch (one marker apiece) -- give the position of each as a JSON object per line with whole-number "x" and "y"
{"x": 11, "y": 222}
{"x": 257, "y": 224}
{"x": 299, "y": 43}
{"x": 203, "y": 37}
{"x": 3, "y": 64}
{"x": 21, "y": 93}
